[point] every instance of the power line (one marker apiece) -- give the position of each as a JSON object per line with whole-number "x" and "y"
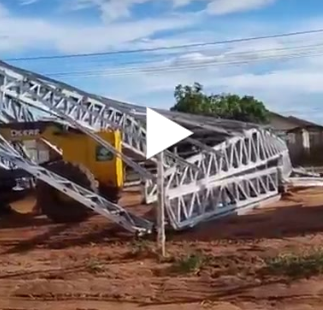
{"x": 247, "y": 53}
{"x": 291, "y": 34}
{"x": 184, "y": 65}
{"x": 106, "y": 67}
{"x": 182, "y": 68}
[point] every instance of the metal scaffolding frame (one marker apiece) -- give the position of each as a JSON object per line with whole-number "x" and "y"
{"x": 232, "y": 165}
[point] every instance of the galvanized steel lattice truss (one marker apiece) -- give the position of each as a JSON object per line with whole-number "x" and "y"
{"x": 237, "y": 173}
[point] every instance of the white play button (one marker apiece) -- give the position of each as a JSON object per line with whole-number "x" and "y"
{"x": 162, "y": 133}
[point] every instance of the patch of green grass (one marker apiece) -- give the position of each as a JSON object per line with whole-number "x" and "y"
{"x": 141, "y": 248}
{"x": 94, "y": 266}
{"x": 191, "y": 263}
{"x": 296, "y": 265}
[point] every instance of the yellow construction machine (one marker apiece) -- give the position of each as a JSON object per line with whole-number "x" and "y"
{"x": 82, "y": 161}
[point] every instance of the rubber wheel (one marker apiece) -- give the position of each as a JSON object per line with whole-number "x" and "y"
{"x": 110, "y": 193}
{"x": 7, "y": 180}
{"x": 52, "y": 202}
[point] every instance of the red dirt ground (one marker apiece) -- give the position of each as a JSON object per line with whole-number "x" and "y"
{"x": 94, "y": 265}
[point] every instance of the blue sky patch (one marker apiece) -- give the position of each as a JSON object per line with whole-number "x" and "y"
{"x": 283, "y": 72}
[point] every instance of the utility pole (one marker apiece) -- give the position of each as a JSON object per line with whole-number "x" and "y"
{"x": 161, "y": 235}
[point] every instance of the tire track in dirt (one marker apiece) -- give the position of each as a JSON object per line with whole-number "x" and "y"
{"x": 164, "y": 290}
{"x": 46, "y": 266}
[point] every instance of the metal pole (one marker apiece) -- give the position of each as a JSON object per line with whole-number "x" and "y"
{"x": 161, "y": 236}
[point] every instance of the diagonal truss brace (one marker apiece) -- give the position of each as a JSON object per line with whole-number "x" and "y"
{"x": 89, "y": 199}
{"x": 11, "y": 110}
{"x": 84, "y": 113}
{"x": 236, "y": 155}
{"x": 75, "y": 109}
{"x": 222, "y": 198}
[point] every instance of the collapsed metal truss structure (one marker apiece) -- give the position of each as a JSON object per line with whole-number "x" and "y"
{"x": 224, "y": 166}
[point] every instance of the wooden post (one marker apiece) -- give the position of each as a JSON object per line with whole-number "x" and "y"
{"x": 161, "y": 236}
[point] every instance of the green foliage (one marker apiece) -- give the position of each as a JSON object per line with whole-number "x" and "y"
{"x": 297, "y": 266}
{"x": 94, "y": 266}
{"x": 192, "y": 99}
{"x": 191, "y": 263}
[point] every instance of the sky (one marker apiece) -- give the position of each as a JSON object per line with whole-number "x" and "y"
{"x": 286, "y": 73}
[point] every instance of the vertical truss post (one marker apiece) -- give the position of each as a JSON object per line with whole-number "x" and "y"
{"x": 161, "y": 235}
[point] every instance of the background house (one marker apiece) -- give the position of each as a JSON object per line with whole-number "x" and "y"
{"x": 304, "y": 138}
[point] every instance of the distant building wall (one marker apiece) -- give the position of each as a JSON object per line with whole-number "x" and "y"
{"x": 299, "y": 145}
{"x": 316, "y": 138}
{"x": 306, "y": 146}
{"x": 305, "y": 143}
{"x": 281, "y": 123}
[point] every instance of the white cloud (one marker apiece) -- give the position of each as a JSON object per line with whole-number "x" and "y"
{"x": 221, "y": 7}
{"x": 181, "y": 3}
{"x": 28, "y": 2}
{"x": 278, "y": 84}
{"x": 285, "y": 88}
{"x": 18, "y": 34}
{"x": 283, "y": 91}
{"x": 3, "y": 11}
{"x": 110, "y": 10}
{"x": 115, "y": 9}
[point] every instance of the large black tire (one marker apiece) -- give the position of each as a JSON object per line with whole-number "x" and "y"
{"x": 7, "y": 180}
{"x": 7, "y": 183}
{"x": 51, "y": 201}
{"x": 110, "y": 193}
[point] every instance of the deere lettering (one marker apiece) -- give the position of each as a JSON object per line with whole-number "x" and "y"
{"x": 26, "y": 132}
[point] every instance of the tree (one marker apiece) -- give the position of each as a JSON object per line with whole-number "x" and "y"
{"x": 192, "y": 99}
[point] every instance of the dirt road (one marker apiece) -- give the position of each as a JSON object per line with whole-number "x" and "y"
{"x": 222, "y": 266}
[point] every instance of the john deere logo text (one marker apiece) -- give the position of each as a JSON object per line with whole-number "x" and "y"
{"x": 26, "y": 132}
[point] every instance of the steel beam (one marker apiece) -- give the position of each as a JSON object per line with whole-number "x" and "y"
{"x": 89, "y": 199}
{"x": 247, "y": 167}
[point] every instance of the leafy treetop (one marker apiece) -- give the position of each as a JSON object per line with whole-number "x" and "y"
{"x": 192, "y": 99}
